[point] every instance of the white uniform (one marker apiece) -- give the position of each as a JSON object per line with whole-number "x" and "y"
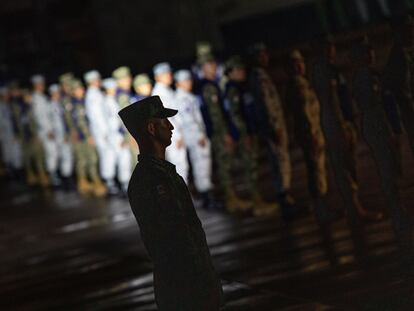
{"x": 193, "y": 129}
{"x": 96, "y": 113}
{"x": 43, "y": 116}
{"x": 177, "y": 156}
{"x": 116, "y": 137}
{"x": 64, "y": 148}
{"x": 6, "y": 134}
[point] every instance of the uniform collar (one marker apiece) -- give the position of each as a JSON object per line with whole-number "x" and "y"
{"x": 151, "y": 160}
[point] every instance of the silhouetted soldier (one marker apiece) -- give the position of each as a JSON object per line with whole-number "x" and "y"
{"x": 184, "y": 276}
{"x": 398, "y": 78}
{"x": 305, "y": 109}
{"x": 377, "y": 133}
{"x": 339, "y": 132}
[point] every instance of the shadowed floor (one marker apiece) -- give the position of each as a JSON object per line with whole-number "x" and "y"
{"x": 60, "y": 251}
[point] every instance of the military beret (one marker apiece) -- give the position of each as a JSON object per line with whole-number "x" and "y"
{"x": 296, "y": 55}
{"x": 182, "y": 75}
{"x": 109, "y": 83}
{"x": 91, "y": 76}
{"x": 37, "y": 79}
{"x": 53, "y": 88}
{"x": 121, "y": 72}
{"x": 141, "y": 79}
{"x": 161, "y": 68}
{"x": 135, "y": 115}
{"x": 75, "y": 83}
{"x": 66, "y": 77}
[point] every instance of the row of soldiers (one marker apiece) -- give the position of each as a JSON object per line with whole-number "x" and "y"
{"x": 231, "y": 115}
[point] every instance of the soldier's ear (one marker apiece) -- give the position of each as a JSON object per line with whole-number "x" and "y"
{"x": 151, "y": 128}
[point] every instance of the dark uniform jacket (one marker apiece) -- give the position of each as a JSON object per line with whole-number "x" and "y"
{"x": 184, "y": 276}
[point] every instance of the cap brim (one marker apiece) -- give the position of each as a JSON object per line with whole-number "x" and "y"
{"x": 166, "y": 113}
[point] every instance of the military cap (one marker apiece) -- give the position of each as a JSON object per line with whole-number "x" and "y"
{"x": 66, "y": 77}
{"x": 161, "y": 68}
{"x": 121, "y": 72}
{"x": 91, "y": 76}
{"x": 203, "y": 48}
{"x": 296, "y": 55}
{"x": 182, "y": 75}
{"x": 75, "y": 83}
{"x": 53, "y": 88}
{"x": 135, "y": 115}
{"x": 109, "y": 83}
{"x": 141, "y": 79}
{"x": 35, "y": 79}
{"x": 234, "y": 62}
{"x": 206, "y": 59}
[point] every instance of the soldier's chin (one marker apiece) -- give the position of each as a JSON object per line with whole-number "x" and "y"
{"x": 169, "y": 142}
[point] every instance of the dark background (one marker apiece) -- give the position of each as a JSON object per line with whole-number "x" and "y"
{"x": 53, "y": 36}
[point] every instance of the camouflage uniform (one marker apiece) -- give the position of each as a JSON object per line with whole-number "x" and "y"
{"x": 398, "y": 83}
{"x": 240, "y": 129}
{"x": 184, "y": 276}
{"x": 33, "y": 154}
{"x": 216, "y": 127}
{"x": 339, "y": 133}
{"x": 271, "y": 127}
{"x": 378, "y": 135}
{"x": 85, "y": 154}
{"x": 305, "y": 109}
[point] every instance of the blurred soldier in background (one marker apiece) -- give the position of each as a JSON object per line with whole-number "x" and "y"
{"x": 116, "y": 135}
{"x": 398, "y": 76}
{"x": 33, "y": 150}
{"x": 97, "y": 114}
{"x": 65, "y": 81}
{"x": 305, "y": 109}
{"x": 339, "y": 132}
{"x": 86, "y": 156}
{"x": 377, "y": 134}
{"x": 43, "y": 115}
{"x": 195, "y": 137}
{"x": 142, "y": 87}
{"x": 6, "y": 129}
{"x": 217, "y": 128}
{"x": 176, "y": 153}
{"x": 65, "y": 155}
{"x": 239, "y": 105}
{"x": 16, "y": 146}
{"x": 271, "y": 128}
{"x": 123, "y": 78}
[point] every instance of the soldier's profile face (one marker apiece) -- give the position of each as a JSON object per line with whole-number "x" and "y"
{"x": 299, "y": 67}
{"x": 238, "y": 74}
{"x": 163, "y": 131}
